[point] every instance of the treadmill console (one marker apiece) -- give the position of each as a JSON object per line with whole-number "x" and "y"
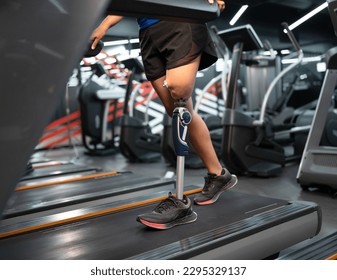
{"x": 245, "y": 34}
{"x": 332, "y": 4}
{"x": 179, "y": 10}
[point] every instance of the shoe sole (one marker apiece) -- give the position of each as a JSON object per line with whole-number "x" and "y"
{"x": 182, "y": 221}
{"x": 233, "y": 181}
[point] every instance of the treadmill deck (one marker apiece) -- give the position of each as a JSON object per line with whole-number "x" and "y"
{"x": 236, "y": 217}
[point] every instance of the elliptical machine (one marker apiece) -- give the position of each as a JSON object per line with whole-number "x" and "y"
{"x": 249, "y": 145}
{"x": 95, "y": 103}
{"x": 137, "y": 142}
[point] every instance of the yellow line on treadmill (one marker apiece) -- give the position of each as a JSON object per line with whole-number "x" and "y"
{"x": 89, "y": 215}
{"x": 68, "y": 180}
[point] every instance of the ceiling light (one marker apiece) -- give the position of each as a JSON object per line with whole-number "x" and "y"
{"x": 308, "y": 16}
{"x": 238, "y": 14}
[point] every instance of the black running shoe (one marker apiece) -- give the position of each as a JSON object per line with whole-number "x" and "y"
{"x": 169, "y": 213}
{"x": 214, "y": 186}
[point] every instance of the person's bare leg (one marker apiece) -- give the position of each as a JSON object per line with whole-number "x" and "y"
{"x": 181, "y": 82}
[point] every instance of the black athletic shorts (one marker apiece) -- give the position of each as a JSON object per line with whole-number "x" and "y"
{"x": 166, "y": 45}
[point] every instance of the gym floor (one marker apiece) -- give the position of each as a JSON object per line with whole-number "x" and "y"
{"x": 282, "y": 187}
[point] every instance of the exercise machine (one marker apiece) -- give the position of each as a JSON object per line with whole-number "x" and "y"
{"x": 43, "y": 171}
{"x": 137, "y": 143}
{"x": 182, "y": 11}
{"x": 27, "y": 56}
{"x": 324, "y": 248}
{"x": 318, "y": 166}
{"x": 254, "y": 227}
{"x": 249, "y": 142}
{"x": 38, "y": 197}
{"x": 95, "y": 101}
{"x": 48, "y": 172}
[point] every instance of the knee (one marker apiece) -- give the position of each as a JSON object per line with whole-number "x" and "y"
{"x": 178, "y": 91}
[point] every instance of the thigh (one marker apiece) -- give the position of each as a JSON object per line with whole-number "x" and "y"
{"x": 182, "y": 78}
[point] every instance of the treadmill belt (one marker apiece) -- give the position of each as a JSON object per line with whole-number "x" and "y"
{"x": 55, "y": 196}
{"x": 57, "y": 171}
{"x": 119, "y": 236}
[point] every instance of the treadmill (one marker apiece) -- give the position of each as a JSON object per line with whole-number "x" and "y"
{"x": 41, "y": 197}
{"x": 318, "y": 167}
{"x": 253, "y": 227}
{"x": 322, "y": 249}
{"x": 58, "y": 170}
{"x": 239, "y": 226}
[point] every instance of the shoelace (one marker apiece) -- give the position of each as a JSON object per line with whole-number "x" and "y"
{"x": 208, "y": 180}
{"x": 166, "y": 204}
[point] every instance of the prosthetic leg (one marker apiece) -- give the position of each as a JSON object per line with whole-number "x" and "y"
{"x": 180, "y": 119}
{"x": 174, "y": 210}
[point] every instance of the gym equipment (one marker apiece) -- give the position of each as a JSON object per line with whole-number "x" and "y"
{"x": 322, "y": 249}
{"x": 95, "y": 103}
{"x": 59, "y": 170}
{"x": 57, "y": 178}
{"x": 42, "y": 197}
{"x": 318, "y": 166}
{"x": 254, "y": 227}
{"x": 93, "y": 52}
{"x": 26, "y": 55}
{"x": 137, "y": 143}
{"x": 249, "y": 145}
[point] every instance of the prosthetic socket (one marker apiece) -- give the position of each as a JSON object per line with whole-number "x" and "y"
{"x": 180, "y": 119}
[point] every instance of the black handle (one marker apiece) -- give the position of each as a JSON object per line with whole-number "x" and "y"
{"x": 291, "y": 36}
{"x": 93, "y": 52}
